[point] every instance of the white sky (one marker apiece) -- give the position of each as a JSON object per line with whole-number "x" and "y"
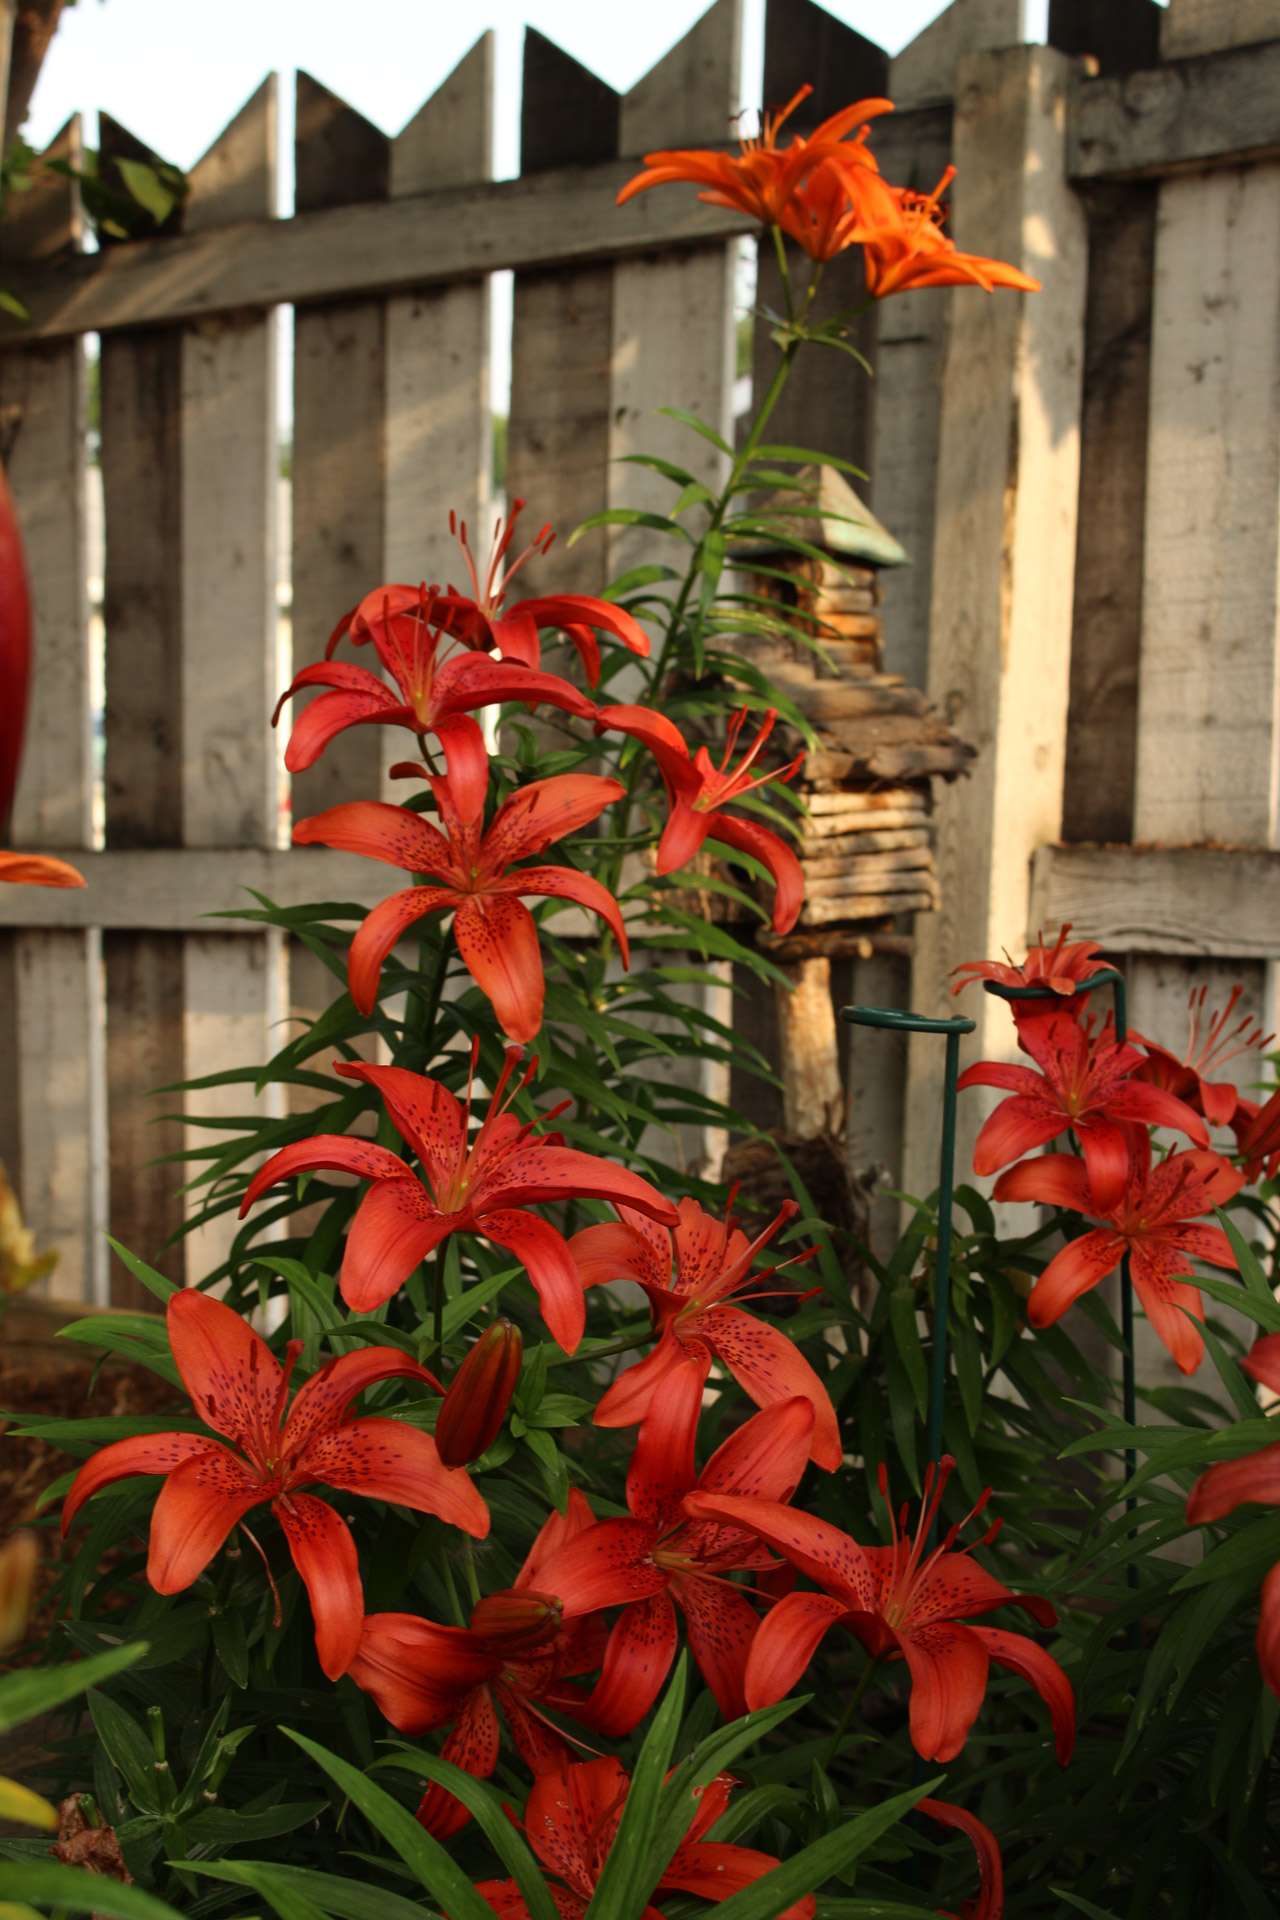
{"x": 175, "y": 71}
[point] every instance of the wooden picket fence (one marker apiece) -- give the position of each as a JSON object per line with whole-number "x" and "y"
{"x": 1088, "y": 481}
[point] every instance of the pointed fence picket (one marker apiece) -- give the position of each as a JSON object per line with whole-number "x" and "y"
{"x": 1087, "y": 484}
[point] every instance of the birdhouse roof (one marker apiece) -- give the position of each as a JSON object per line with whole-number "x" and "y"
{"x": 827, "y": 512}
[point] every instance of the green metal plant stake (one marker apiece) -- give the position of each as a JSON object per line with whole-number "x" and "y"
{"x": 892, "y": 1020}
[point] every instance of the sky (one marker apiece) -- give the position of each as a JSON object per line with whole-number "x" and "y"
{"x": 176, "y": 71}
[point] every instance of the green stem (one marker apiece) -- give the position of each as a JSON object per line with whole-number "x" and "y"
{"x": 455, "y": 1605}
{"x": 437, "y": 1326}
{"x": 851, "y": 1707}
{"x": 742, "y": 461}
{"x": 603, "y": 1353}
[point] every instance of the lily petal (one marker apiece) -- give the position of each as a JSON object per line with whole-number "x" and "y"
{"x": 609, "y": 1565}
{"x": 473, "y": 1746}
{"x": 498, "y": 941}
{"x": 544, "y": 1254}
{"x": 771, "y": 1369}
{"x": 468, "y": 765}
{"x": 721, "y": 1624}
{"x": 546, "y": 811}
{"x": 419, "y": 1673}
{"x": 426, "y": 1115}
{"x": 629, "y": 1398}
{"x": 396, "y": 1226}
{"x": 563, "y": 883}
{"x": 785, "y": 1643}
{"x": 201, "y": 1500}
{"x": 325, "y": 1555}
{"x": 1268, "y": 1640}
{"x": 325, "y": 1397}
{"x": 637, "y": 1660}
{"x": 390, "y": 1460}
{"x": 323, "y": 1152}
{"x": 379, "y": 831}
{"x": 1262, "y": 1362}
{"x": 1024, "y": 1657}
{"x": 379, "y": 931}
{"x": 141, "y": 1453}
{"x": 1228, "y": 1484}
{"x": 234, "y": 1379}
{"x": 1155, "y": 1266}
{"x": 1080, "y": 1265}
{"x": 775, "y": 855}
{"x": 948, "y": 1665}
{"x": 1054, "y": 1179}
{"x": 829, "y": 1557}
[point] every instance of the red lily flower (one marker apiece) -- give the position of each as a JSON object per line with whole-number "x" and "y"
{"x": 483, "y": 1189}
{"x": 903, "y": 243}
{"x": 690, "y": 1308}
{"x": 477, "y": 881}
{"x": 1188, "y": 1078}
{"x": 37, "y": 870}
{"x": 1153, "y": 1222}
{"x": 697, "y": 790}
{"x": 481, "y": 621}
{"x": 517, "y": 1655}
{"x": 660, "y": 1556}
{"x": 763, "y": 179}
{"x": 903, "y": 1604}
{"x": 1257, "y": 1131}
{"x": 1059, "y": 967}
{"x": 571, "y": 1821}
{"x": 990, "y": 1902}
{"x": 239, "y": 1388}
{"x": 436, "y": 696}
{"x": 1229, "y": 1484}
{"x": 1088, "y": 1085}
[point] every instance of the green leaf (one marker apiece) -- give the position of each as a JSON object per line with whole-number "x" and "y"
{"x": 78, "y": 1891}
{"x": 635, "y": 1863}
{"x": 225, "y": 1827}
{"x": 448, "y": 1885}
{"x": 154, "y": 1282}
{"x": 329, "y": 1892}
{"x": 37, "y": 1690}
{"x": 1085, "y": 1906}
{"x": 128, "y": 1749}
{"x": 815, "y": 1864}
{"x": 230, "y": 1643}
{"x": 146, "y": 188}
{"x": 697, "y": 426}
{"x": 906, "y": 1335}
{"x": 140, "y": 1337}
{"x": 486, "y": 1809}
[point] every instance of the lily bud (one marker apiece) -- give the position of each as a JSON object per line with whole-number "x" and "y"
{"x": 18, "y": 1558}
{"x": 519, "y": 1618}
{"x": 479, "y": 1394}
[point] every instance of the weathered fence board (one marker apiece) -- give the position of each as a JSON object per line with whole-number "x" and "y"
{"x": 1219, "y": 902}
{"x": 1004, "y": 551}
{"x": 1210, "y": 112}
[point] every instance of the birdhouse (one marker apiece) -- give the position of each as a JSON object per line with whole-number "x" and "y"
{"x": 867, "y": 847}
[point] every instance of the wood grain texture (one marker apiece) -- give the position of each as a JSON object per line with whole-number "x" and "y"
{"x": 1207, "y": 726}
{"x": 1202, "y": 26}
{"x": 339, "y": 390}
{"x": 1107, "y": 624}
{"x": 1185, "y": 116}
{"x": 809, "y": 1050}
{"x": 910, "y": 341}
{"x": 1219, "y": 902}
{"x": 1008, "y": 477}
{"x": 438, "y": 426}
{"x": 559, "y": 219}
{"x": 562, "y": 337}
{"x": 142, "y": 382}
{"x": 673, "y": 313}
{"x": 925, "y": 70}
{"x": 173, "y": 890}
{"x": 231, "y": 994}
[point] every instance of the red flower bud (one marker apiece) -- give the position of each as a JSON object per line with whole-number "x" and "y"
{"x": 479, "y": 1394}
{"x": 517, "y": 1619}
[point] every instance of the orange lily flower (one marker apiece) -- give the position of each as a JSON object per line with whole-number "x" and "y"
{"x": 903, "y": 242}
{"x": 571, "y": 1822}
{"x": 1060, "y": 967}
{"x": 1157, "y": 1221}
{"x": 472, "y": 874}
{"x": 37, "y": 870}
{"x": 257, "y": 1454}
{"x": 763, "y": 180}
